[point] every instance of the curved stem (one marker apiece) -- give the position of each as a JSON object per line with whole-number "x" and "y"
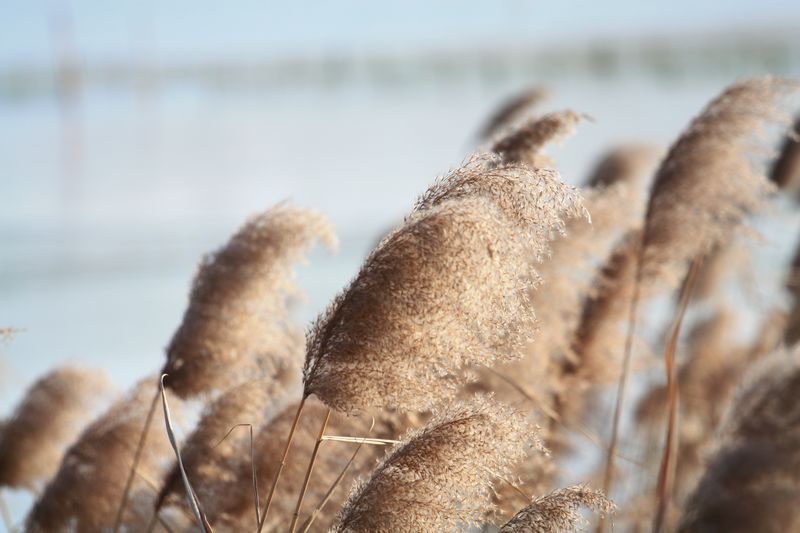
{"x": 666, "y": 470}
{"x": 622, "y": 387}
{"x": 136, "y": 458}
{"x": 310, "y": 520}
{"x": 283, "y": 463}
{"x": 302, "y": 496}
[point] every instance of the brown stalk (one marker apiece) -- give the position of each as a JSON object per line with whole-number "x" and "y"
{"x": 310, "y": 520}
{"x": 252, "y": 466}
{"x": 296, "y": 517}
{"x": 608, "y": 477}
{"x": 666, "y": 471}
{"x": 283, "y": 463}
{"x": 136, "y": 458}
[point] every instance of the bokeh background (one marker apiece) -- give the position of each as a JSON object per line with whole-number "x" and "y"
{"x": 137, "y": 135}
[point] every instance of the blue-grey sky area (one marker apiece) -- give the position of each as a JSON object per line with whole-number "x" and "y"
{"x": 205, "y": 30}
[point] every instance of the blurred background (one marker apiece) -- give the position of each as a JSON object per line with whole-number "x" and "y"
{"x": 137, "y": 135}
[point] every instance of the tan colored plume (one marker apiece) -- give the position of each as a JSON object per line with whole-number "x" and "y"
{"x": 231, "y": 506}
{"x": 709, "y": 180}
{"x": 752, "y": 482}
{"x": 440, "y": 477}
{"x": 447, "y": 290}
{"x": 558, "y": 511}
{"x": 47, "y": 419}
{"x": 207, "y": 458}
{"x": 85, "y": 493}
{"x": 786, "y": 169}
{"x": 237, "y": 314}
{"x": 514, "y": 109}
{"x": 523, "y": 143}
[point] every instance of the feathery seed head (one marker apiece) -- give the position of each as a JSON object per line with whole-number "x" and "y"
{"x": 558, "y": 511}
{"x": 514, "y": 109}
{"x": 237, "y": 315}
{"x": 440, "y": 477}
{"x": 445, "y": 291}
{"x": 48, "y": 418}
{"x": 751, "y": 483}
{"x": 708, "y": 181}
{"x": 523, "y": 143}
{"x": 85, "y": 493}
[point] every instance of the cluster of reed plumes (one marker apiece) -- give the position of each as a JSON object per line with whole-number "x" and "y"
{"x": 468, "y": 360}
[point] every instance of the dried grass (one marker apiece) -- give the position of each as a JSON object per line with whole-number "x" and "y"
{"x": 237, "y": 316}
{"x": 558, "y": 511}
{"x": 440, "y": 477}
{"x": 212, "y": 453}
{"x": 445, "y": 291}
{"x": 85, "y": 493}
{"x": 514, "y": 110}
{"x": 523, "y": 143}
{"x": 49, "y": 417}
{"x": 751, "y": 483}
{"x": 232, "y": 504}
{"x": 710, "y": 180}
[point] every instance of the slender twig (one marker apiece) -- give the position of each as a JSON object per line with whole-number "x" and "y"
{"x": 622, "y": 386}
{"x": 361, "y": 440}
{"x": 252, "y": 466}
{"x": 283, "y": 463}
{"x": 507, "y": 482}
{"x": 310, "y": 520}
{"x": 194, "y": 503}
{"x": 296, "y": 517}
{"x": 136, "y": 458}
{"x": 666, "y": 470}
{"x": 255, "y": 476}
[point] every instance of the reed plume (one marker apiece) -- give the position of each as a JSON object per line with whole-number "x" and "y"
{"x": 440, "y": 477}
{"x": 785, "y": 172}
{"x": 445, "y": 291}
{"x": 708, "y": 182}
{"x": 558, "y": 511}
{"x": 232, "y": 503}
{"x": 85, "y": 492}
{"x": 704, "y": 188}
{"x": 49, "y": 417}
{"x": 722, "y": 264}
{"x": 237, "y": 310}
{"x": 210, "y": 455}
{"x": 568, "y": 274}
{"x": 599, "y": 338}
{"x": 627, "y": 163}
{"x": 751, "y": 483}
{"x": 514, "y": 110}
{"x": 523, "y": 143}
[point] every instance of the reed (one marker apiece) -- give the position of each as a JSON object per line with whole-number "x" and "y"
{"x": 84, "y": 494}
{"x": 237, "y": 310}
{"x": 461, "y": 260}
{"x": 513, "y": 110}
{"x": 440, "y": 477}
{"x": 49, "y": 417}
{"x": 751, "y": 481}
{"x": 558, "y": 511}
{"x": 523, "y": 143}
{"x": 702, "y": 192}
